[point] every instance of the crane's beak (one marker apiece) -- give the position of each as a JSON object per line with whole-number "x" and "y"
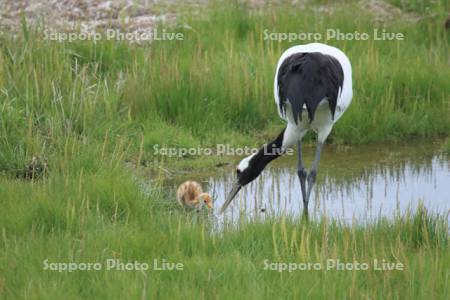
{"x": 234, "y": 191}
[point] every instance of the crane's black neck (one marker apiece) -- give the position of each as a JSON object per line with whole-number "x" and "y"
{"x": 272, "y": 150}
{"x": 261, "y": 159}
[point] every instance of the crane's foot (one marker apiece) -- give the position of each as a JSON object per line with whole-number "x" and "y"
{"x": 305, "y": 215}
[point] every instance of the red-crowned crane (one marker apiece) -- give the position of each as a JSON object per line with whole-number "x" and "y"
{"x": 312, "y": 89}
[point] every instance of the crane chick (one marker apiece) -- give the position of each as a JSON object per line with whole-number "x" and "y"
{"x": 190, "y": 195}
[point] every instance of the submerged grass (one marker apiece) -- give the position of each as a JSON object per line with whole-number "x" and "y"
{"x": 87, "y": 109}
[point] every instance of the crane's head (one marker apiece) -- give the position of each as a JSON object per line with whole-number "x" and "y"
{"x": 247, "y": 170}
{"x": 205, "y": 199}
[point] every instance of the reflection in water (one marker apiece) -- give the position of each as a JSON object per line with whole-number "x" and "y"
{"x": 358, "y": 183}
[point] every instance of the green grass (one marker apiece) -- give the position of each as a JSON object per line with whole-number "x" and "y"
{"x": 215, "y": 86}
{"x": 95, "y": 217}
{"x": 446, "y": 146}
{"x": 428, "y": 8}
{"x": 87, "y": 111}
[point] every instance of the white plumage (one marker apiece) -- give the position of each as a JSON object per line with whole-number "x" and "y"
{"x": 322, "y": 123}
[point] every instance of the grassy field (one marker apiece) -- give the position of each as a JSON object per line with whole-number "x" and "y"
{"x": 102, "y": 216}
{"x": 91, "y": 113}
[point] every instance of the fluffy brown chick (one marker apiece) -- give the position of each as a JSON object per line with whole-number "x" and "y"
{"x": 190, "y": 195}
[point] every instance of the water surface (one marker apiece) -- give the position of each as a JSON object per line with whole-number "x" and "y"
{"x": 354, "y": 183}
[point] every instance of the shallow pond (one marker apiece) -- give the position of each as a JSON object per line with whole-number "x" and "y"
{"x": 354, "y": 183}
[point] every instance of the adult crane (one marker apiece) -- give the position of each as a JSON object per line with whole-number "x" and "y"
{"x": 312, "y": 89}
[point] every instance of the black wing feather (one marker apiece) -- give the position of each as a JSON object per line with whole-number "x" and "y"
{"x": 308, "y": 78}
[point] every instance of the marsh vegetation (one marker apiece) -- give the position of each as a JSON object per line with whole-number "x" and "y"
{"x": 78, "y": 125}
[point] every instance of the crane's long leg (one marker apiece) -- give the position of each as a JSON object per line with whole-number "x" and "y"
{"x": 301, "y": 172}
{"x": 313, "y": 173}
